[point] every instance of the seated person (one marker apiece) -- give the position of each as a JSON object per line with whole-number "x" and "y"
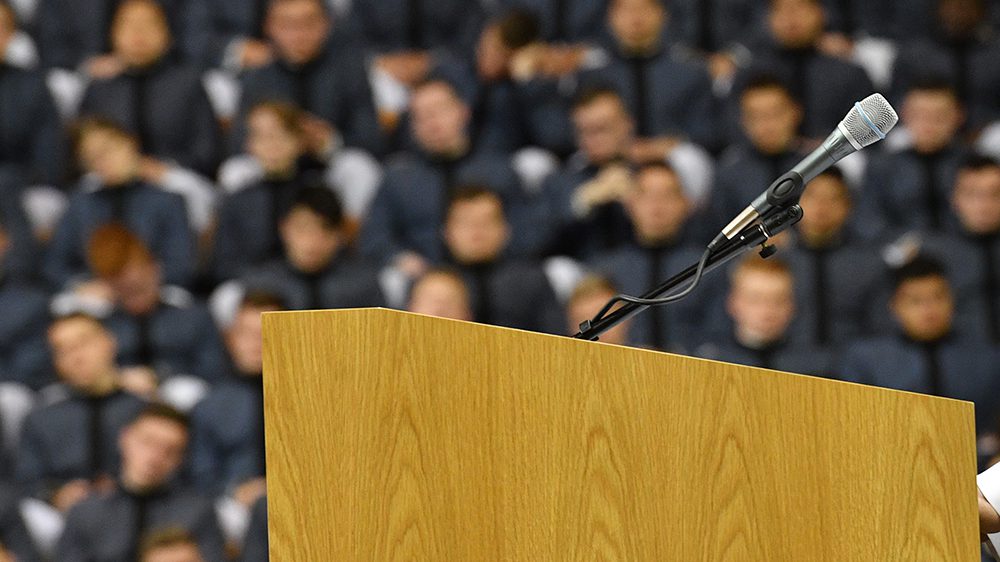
{"x": 566, "y": 22}
{"x": 160, "y": 329}
{"x": 972, "y": 252}
{"x": 318, "y": 70}
{"x": 255, "y": 547}
{"x": 227, "y": 428}
{"x": 31, "y": 146}
{"x": 927, "y": 354}
{"x": 761, "y": 305}
{"x": 116, "y": 191}
{"x": 404, "y": 223}
{"x": 226, "y": 34}
{"x": 282, "y": 160}
{"x": 318, "y": 270}
{"x": 23, "y": 357}
{"x": 660, "y": 209}
{"x": 907, "y": 188}
{"x": 170, "y": 545}
{"x": 442, "y": 293}
{"x": 68, "y": 449}
{"x": 839, "y": 280}
{"x": 588, "y": 298}
{"x": 149, "y": 89}
{"x": 145, "y": 497}
{"x": 504, "y": 291}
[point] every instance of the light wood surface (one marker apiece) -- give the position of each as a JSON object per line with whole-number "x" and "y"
{"x": 394, "y": 437}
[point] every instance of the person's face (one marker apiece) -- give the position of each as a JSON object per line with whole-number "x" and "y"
{"x": 310, "y": 242}
{"x": 657, "y": 205}
{"x": 140, "y": 34}
{"x": 770, "y": 119}
{"x": 83, "y": 352}
{"x": 603, "y": 129}
{"x": 244, "y": 339}
{"x": 762, "y": 304}
{"x": 959, "y": 18}
{"x": 585, "y": 308}
{"x": 5, "y": 245}
{"x": 137, "y": 288}
{"x": 441, "y": 296}
{"x": 637, "y": 24}
{"x": 492, "y": 56}
{"x": 476, "y": 230}
{"x": 273, "y": 145}
{"x": 796, "y": 23}
{"x": 152, "y": 450}
{"x": 924, "y": 307}
{"x": 932, "y": 118}
{"x": 439, "y": 118}
{"x": 298, "y": 29}
{"x": 174, "y": 553}
{"x": 112, "y": 157}
{"x": 7, "y": 28}
{"x": 826, "y": 207}
{"x": 977, "y": 200}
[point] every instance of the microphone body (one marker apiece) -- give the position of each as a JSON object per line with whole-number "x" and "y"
{"x": 869, "y": 122}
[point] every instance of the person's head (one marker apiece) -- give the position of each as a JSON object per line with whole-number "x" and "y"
{"x": 976, "y": 197}
{"x": 475, "y": 228}
{"x": 275, "y": 137}
{"x": 83, "y": 352}
{"x": 244, "y": 335}
{"x": 441, "y": 293}
{"x": 439, "y": 118}
{"x": 312, "y": 231}
{"x": 761, "y": 300}
{"x": 922, "y": 301}
{"x": 122, "y": 259}
{"x": 826, "y": 204}
{"x": 604, "y": 127}
{"x": 8, "y": 26}
{"x": 933, "y": 115}
{"x": 140, "y": 32}
{"x": 637, "y": 24}
{"x": 170, "y": 545}
{"x": 959, "y": 19}
{"x": 796, "y": 24}
{"x": 107, "y": 150}
{"x": 770, "y": 114}
{"x": 657, "y": 204}
{"x": 152, "y": 447}
{"x": 501, "y": 39}
{"x": 588, "y": 298}
{"x": 298, "y": 29}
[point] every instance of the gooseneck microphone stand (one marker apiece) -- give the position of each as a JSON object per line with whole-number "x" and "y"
{"x": 746, "y": 240}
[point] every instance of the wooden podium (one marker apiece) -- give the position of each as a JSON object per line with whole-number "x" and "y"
{"x": 396, "y": 437}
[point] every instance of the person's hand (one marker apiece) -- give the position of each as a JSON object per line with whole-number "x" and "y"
{"x": 561, "y": 60}
{"x": 408, "y": 68}
{"x": 652, "y": 149}
{"x": 141, "y": 381}
{"x": 610, "y": 185}
{"x": 104, "y": 66}
{"x": 95, "y": 290}
{"x": 70, "y": 494}
{"x": 250, "y": 491}
{"x": 526, "y": 62}
{"x": 153, "y": 170}
{"x": 319, "y": 136}
{"x": 255, "y": 54}
{"x": 412, "y": 264}
{"x": 721, "y": 66}
{"x": 836, "y": 45}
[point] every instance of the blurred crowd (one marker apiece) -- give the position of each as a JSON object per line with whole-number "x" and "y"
{"x": 170, "y": 169}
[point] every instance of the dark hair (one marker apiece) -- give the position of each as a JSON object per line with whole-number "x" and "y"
{"x": 920, "y": 267}
{"x": 161, "y": 411}
{"x": 263, "y": 299}
{"x": 978, "y": 162}
{"x": 93, "y": 123}
{"x": 519, "y": 28}
{"x": 935, "y": 84}
{"x": 764, "y": 81}
{"x": 471, "y": 192}
{"x": 165, "y": 538}
{"x": 321, "y": 201}
{"x": 650, "y": 165}
{"x": 593, "y": 94}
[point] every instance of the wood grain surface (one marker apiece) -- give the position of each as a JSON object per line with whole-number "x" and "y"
{"x": 394, "y": 437}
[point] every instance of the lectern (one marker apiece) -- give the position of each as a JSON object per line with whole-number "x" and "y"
{"x": 395, "y": 437}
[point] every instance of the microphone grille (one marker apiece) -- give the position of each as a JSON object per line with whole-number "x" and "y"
{"x": 870, "y": 120}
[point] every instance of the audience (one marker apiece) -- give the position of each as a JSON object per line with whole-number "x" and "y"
{"x": 442, "y": 293}
{"x": 170, "y": 545}
{"x": 589, "y": 297}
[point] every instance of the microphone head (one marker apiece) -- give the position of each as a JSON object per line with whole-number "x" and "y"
{"x": 869, "y": 122}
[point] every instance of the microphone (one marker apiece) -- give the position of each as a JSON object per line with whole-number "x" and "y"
{"x": 869, "y": 122}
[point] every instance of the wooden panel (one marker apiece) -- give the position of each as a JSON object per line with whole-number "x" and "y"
{"x": 394, "y": 437}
